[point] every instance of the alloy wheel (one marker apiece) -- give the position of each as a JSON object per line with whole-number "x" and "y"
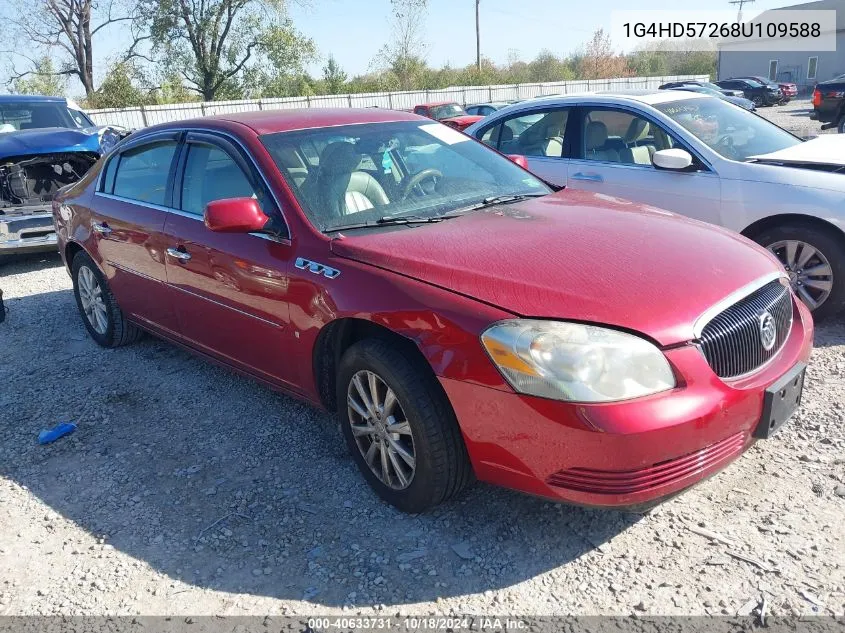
{"x": 381, "y": 429}
{"x": 810, "y": 273}
{"x": 91, "y": 297}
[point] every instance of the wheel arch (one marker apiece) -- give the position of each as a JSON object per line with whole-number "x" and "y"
{"x": 338, "y": 336}
{"x": 763, "y": 224}
{"x": 71, "y": 250}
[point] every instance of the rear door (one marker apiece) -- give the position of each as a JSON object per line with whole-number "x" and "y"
{"x": 613, "y": 157}
{"x": 230, "y": 289}
{"x": 540, "y": 135}
{"x": 128, "y": 215}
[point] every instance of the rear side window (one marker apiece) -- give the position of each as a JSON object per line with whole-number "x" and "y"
{"x": 211, "y": 174}
{"x": 143, "y": 172}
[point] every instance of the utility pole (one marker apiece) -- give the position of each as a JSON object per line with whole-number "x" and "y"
{"x": 478, "y": 36}
{"x": 740, "y": 3}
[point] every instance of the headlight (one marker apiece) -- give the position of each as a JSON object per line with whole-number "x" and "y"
{"x": 575, "y": 362}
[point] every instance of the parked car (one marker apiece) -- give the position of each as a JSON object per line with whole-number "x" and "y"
{"x": 461, "y": 318}
{"x": 788, "y": 90}
{"x": 483, "y": 109}
{"x": 742, "y": 102}
{"x": 829, "y": 103}
{"x": 45, "y": 144}
{"x": 449, "y": 113}
{"x": 703, "y": 84}
{"x": 701, "y": 157}
{"x": 760, "y": 94}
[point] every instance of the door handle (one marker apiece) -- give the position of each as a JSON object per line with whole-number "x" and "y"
{"x": 103, "y": 229}
{"x": 182, "y": 256}
{"x": 589, "y": 177}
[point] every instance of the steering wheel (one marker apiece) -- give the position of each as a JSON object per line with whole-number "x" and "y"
{"x": 417, "y": 179}
{"x": 726, "y": 142}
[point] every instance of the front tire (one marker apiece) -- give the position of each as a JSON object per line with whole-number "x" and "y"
{"x": 400, "y": 427}
{"x": 97, "y": 306}
{"x": 815, "y": 262}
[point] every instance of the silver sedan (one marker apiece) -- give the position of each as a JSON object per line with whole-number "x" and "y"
{"x": 698, "y": 156}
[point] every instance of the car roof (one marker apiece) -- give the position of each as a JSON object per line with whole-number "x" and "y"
{"x": 271, "y": 121}
{"x": 648, "y": 97}
{"x": 30, "y": 99}
{"x": 438, "y": 103}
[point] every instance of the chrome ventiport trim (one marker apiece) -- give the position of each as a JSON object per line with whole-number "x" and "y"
{"x": 735, "y": 297}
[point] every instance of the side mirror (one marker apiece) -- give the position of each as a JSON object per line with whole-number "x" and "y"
{"x": 519, "y": 160}
{"x": 235, "y": 215}
{"x": 676, "y": 159}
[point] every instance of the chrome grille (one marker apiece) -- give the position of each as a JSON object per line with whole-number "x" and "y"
{"x": 731, "y": 341}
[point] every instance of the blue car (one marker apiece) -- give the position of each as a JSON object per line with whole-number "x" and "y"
{"x": 46, "y": 143}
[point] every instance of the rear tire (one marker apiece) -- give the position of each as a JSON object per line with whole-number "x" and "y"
{"x": 832, "y": 252}
{"x": 97, "y": 306}
{"x": 419, "y": 411}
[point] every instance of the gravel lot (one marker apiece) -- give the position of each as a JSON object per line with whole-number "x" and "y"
{"x": 188, "y": 490}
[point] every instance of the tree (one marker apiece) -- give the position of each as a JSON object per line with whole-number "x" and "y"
{"x": 122, "y": 87}
{"x": 70, "y": 27}
{"x": 214, "y": 44}
{"x": 404, "y": 55}
{"x": 599, "y": 60}
{"x": 333, "y": 76}
{"x": 44, "y": 80}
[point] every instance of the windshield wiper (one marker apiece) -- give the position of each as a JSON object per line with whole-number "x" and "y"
{"x": 492, "y": 201}
{"x": 393, "y": 220}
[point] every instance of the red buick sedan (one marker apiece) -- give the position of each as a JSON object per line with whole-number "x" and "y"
{"x": 462, "y": 319}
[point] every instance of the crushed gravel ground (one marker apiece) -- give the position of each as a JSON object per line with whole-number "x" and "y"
{"x": 188, "y": 490}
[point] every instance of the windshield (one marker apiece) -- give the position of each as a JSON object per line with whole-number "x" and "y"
{"x": 446, "y": 111}
{"x": 365, "y": 173}
{"x": 711, "y": 86}
{"x": 732, "y": 132}
{"x": 32, "y": 115}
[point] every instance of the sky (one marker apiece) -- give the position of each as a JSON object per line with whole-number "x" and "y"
{"x": 354, "y": 30}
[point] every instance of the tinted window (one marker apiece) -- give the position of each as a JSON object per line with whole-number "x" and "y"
{"x": 532, "y": 134}
{"x": 211, "y": 174}
{"x": 108, "y": 176}
{"x": 143, "y": 171}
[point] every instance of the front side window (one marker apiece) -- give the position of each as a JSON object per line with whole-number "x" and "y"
{"x": 143, "y": 172}
{"x": 732, "y": 132}
{"x": 619, "y": 136}
{"x": 408, "y": 169}
{"x": 211, "y": 174}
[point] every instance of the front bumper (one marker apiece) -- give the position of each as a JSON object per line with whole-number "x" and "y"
{"x": 626, "y": 453}
{"x": 27, "y": 232}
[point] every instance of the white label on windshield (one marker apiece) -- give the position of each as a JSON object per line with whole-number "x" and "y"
{"x": 444, "y": 133}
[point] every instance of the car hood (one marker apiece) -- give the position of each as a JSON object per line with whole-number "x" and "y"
{"x": 49, "y": 141}
{"x": 575, "y": 255}
{"x": 827, "y": 149}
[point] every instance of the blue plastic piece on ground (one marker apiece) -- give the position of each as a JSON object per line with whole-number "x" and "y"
{"x": 60, "y": 430}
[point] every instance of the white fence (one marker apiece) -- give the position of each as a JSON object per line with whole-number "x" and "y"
{"x": 150, "y": 115}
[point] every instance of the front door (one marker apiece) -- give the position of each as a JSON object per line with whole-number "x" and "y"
{"x": 230, "y": 289}
{"x": 614, "y": 158}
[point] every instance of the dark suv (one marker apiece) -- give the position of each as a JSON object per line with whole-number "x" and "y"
{"x": 829, "y": 103}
